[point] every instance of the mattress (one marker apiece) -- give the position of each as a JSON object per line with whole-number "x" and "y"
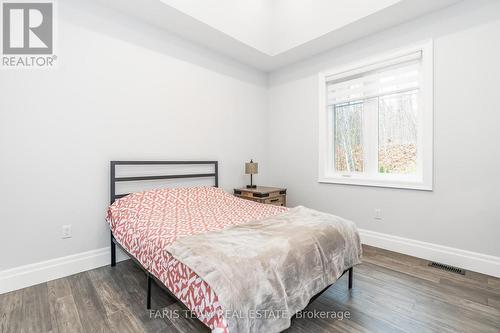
{"x": 145, "y": 223}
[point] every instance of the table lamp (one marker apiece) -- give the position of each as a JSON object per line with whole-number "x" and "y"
{"x": 251, "y": 168}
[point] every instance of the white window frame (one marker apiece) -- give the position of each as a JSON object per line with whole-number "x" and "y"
{"x": 424, "y": 179}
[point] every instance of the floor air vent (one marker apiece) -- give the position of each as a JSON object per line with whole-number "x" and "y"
{"x": 447, "y": 268}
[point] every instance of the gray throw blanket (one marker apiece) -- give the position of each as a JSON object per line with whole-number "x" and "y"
{"x": 265, "y": 271}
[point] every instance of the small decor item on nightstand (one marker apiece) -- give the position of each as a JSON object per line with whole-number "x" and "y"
{"x": 251, "y": 168}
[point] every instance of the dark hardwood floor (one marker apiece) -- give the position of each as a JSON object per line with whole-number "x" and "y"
{"x": 392, "y": 293}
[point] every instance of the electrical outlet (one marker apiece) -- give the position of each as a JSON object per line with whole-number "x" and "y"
{"x": 66, "y": 231}
{"x": 377, "y": 214}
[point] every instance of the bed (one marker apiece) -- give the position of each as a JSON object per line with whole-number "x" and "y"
{"x": 145, "y": 223}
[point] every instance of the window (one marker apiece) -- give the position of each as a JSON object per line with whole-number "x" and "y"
{"x": 376, "y": 122}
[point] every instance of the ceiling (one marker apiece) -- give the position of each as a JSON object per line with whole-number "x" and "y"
{"x": 269, "y": 34}
{"x": 276, "y": 26}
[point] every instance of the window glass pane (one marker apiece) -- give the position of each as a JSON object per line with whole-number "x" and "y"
{"x": 397, "y": 146}
{"x": 348, "y": 120}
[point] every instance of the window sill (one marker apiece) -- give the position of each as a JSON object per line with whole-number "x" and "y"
{"x": 421, "y": 186}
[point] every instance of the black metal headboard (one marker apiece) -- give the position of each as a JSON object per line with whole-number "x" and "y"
{"x": 114, "y": 179}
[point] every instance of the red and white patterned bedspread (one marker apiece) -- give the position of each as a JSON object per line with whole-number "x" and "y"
{"x": 145, "y": 223}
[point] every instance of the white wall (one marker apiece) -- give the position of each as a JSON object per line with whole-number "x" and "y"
{"x": 122, "y": 90}
{"x": 463, "y": 211}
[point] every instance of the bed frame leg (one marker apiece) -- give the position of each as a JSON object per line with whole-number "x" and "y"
{"x": 350, "y": 278}
{"x": 113, "y": 252}
{"x": 148, "y": 301}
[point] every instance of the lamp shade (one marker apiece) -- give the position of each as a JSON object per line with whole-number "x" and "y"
{"x": 251, "y": 168}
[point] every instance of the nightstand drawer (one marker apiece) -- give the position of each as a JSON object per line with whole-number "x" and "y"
{"x": 260, "y": 195}
{"x": 266, "y": 195}
{"x": 278, "y": 201}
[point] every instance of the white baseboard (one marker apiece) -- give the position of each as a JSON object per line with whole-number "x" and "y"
{"x": 473, "y": 261}
{"x": 29, "y": 275}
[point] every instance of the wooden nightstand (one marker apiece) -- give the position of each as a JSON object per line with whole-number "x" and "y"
{"x": 267, "y": 195}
